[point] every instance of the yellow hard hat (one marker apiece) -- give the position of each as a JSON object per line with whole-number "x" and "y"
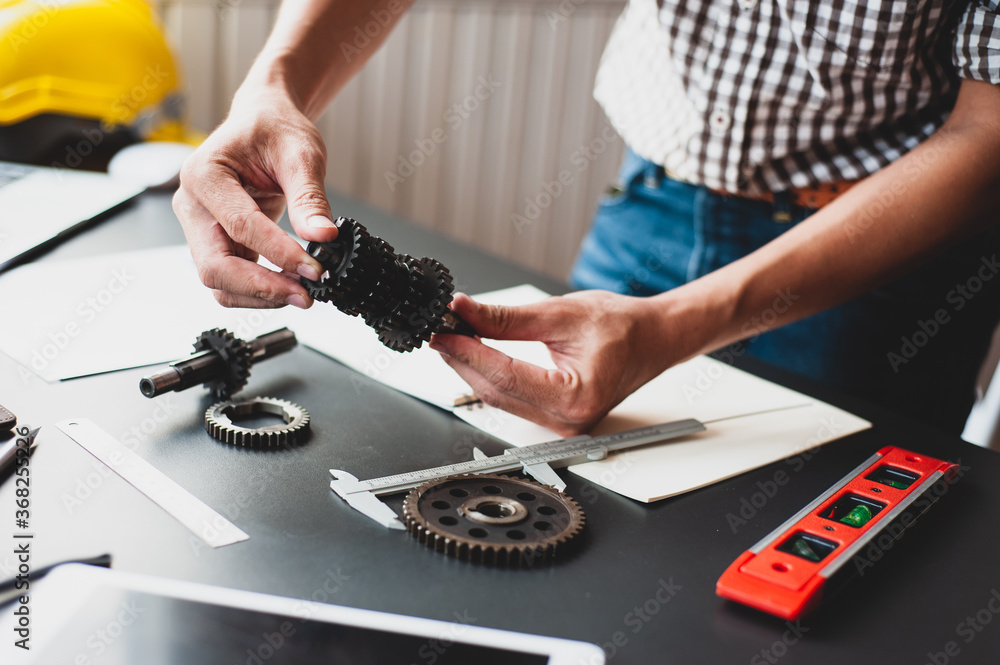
{"x": 86, "y": 63}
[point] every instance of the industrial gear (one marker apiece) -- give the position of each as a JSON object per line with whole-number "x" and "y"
{"x": 221, "y": 361}
{"x": 492, "y": 519}
{"x": 403, "y": 298}
{"x": 222, "y": 422}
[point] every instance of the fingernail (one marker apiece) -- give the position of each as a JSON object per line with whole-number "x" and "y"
{"x": 309, "y": 272}
{"x": 296, "y": 300}
{"x": 320, "y": 222}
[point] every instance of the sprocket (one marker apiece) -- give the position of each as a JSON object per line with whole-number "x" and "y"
{"x": 403, "y": 298}
{"x": 235, "y": 353}
{"x": 493, "y": 519}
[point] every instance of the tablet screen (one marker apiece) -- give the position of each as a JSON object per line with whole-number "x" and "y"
{"x": 129, "y": 627}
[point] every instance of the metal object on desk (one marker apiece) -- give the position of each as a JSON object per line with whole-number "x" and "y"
{"x": 222, "y": 422}
{"x": 187, "y": 509}
{"x": 8, "y": 451}
{"x": 403, "y": 298}
{"x": 493, "y": 519}
{"x": 221, "y": 361}
{"x": 7, "y": 418}
{"x": 537, "y": 461}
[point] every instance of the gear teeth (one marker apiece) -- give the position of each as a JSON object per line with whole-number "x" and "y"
{"x": 235, "y": 352}
{"x": 220, "y": 426}
{"x": 403, "y": 298}
{"x": 544, "y": 548}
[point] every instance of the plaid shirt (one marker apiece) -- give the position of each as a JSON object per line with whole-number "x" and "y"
{"x": 766, "y": 95}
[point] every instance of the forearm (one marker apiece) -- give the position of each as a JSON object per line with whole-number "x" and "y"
{"x": 317, "y": 46}
{"x": 887, "y": 225}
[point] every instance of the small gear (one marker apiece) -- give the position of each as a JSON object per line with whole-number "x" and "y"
{"x": 493, "y": 519}
{"x": 236, "y": 354}
{"x": 219, "y": 422}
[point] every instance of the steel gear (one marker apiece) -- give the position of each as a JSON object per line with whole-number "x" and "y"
{"x": 493, "y": 519}
{"x": 222, "y": 422}
{"x": 235, "y": 353}
{"x": 403, "y": 298}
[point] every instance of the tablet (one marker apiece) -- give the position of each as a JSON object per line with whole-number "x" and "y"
{"x": 83, "y": 615}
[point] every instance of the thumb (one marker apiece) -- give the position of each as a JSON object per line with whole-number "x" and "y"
{"x": 308, "y": 208}
{"x": 522, "y": 322}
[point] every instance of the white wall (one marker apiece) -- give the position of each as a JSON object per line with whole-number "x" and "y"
{"x": 496, "y": 155}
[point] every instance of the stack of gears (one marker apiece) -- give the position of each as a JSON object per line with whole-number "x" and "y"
{"x": 403, "y": 298}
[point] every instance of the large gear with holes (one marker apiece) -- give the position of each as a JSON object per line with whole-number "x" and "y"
{"x": 404, "y": 299}
{"x": 222, "y": 422}
{"x": 493, "y": 519}
{"x": 235, "y": 353}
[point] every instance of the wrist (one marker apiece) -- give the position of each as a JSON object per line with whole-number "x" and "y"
{"x": 694, "y": 318}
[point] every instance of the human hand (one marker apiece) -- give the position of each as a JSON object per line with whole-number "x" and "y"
{"x": 234, "y": 189}
{"x": 604, "y": 346}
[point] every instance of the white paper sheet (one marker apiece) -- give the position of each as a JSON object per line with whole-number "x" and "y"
{"x": 104, "y": 313}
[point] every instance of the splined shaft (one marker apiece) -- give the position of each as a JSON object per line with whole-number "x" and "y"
{"x": 221, "y": 361}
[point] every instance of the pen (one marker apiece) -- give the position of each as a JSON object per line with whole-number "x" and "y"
{"x": 9, "y": 588}
{"x": 8, "y": 452}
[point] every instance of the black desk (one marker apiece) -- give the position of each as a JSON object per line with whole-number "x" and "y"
{"x": 305, "y": 543}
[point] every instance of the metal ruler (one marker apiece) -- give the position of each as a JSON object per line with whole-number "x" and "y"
{"x": 537, "y": 461}
{"x": 187, "y": 509}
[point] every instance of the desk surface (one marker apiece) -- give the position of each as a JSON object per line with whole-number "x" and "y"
{"x": 305, "y": 543}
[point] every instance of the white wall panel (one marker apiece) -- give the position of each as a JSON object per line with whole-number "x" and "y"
{"x": 496, "y": 152}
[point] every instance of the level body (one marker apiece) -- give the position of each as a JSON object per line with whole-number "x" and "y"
{"x": 790, "y": 570}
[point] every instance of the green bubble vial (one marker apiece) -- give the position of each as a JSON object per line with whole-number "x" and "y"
{"x": 859, "y": 516}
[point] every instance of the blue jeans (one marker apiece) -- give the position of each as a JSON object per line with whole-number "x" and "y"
{"x": 914, "y": 345}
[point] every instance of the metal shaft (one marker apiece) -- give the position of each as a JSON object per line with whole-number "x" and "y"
{"x": 209, "y": 365}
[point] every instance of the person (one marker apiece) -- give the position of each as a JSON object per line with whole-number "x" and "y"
{"x": 818, "y": 180}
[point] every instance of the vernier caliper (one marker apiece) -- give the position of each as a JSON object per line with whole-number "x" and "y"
{"x": 537, "y": 461}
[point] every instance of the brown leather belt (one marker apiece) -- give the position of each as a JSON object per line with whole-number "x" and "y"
{"x": 805, "y": 197}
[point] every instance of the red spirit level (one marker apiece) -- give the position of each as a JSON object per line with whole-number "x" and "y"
{"x": 785, "y": 574}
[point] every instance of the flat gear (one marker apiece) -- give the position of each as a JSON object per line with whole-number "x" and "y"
{"x": 403, "y": 298}
{"x": 219, "y": 422}
{"x": 493, "y": 519}
{"x": 237, "y": 355}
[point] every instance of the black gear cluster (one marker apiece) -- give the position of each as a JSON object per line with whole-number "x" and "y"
{"x": 403, "y": 298}
{"x": 235, "y": 353}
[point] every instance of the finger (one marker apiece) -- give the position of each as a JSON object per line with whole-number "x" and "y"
{"x": 301, "y": 179}
{"x": 227, "y": 299}
{"x": 536, "y": 321}
{"x": 506, "y": 377}
{"x": 484, "y": 391}
{"x": 222, "y": 195}
{"x": 221, "y": 268}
